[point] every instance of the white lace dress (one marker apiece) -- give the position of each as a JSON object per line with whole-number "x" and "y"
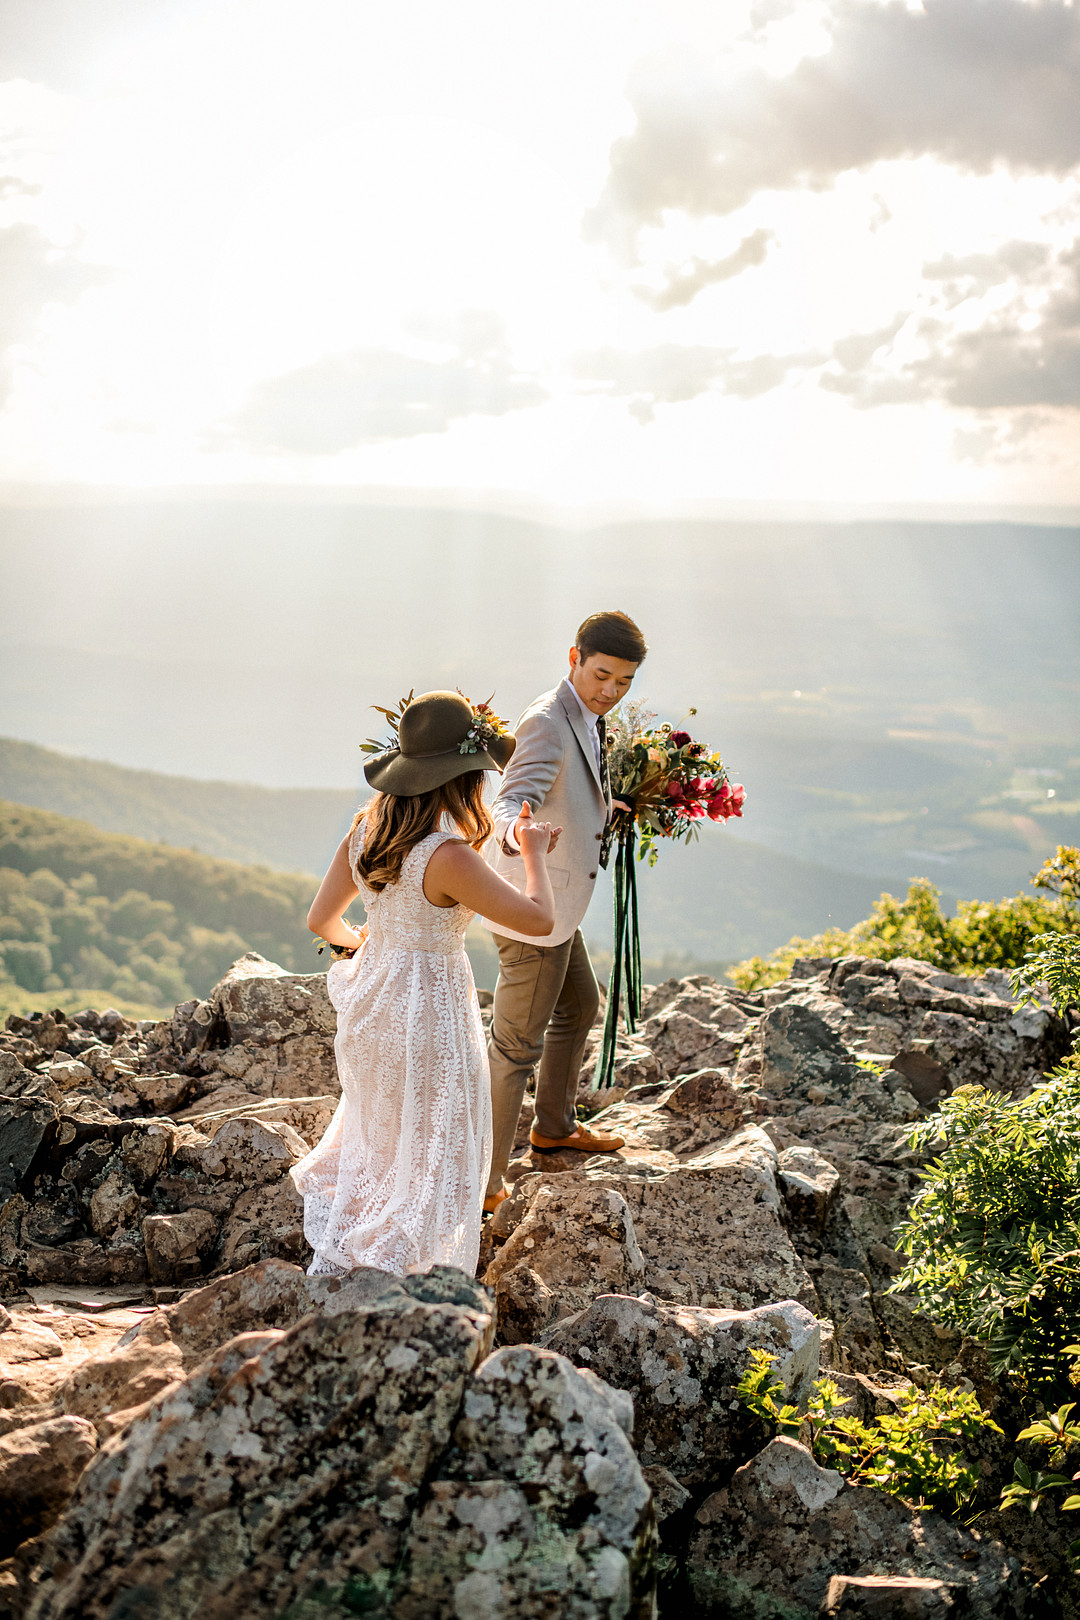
{"x": 398, "y": 1179}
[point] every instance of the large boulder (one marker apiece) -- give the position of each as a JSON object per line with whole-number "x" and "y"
{"x": 362, "y": 1461}
{"x": 574, "y": 1241}
{"x": 540, "y": 1507}
{"x": 682, "y": 1365}
{"x": 769, "y": 1543}
{"x": 710, "y": 1228}
{"x": 262, "y": 1003}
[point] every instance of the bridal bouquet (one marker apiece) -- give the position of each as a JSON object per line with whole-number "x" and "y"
{"x": 672, "y": 783}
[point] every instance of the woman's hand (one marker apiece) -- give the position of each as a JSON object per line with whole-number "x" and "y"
{"x": 538, "y": 838}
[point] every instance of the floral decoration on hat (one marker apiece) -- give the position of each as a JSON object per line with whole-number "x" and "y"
{"x": 486, "y": 726}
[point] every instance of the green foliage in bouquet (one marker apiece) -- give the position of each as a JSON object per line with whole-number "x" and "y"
{"x": 906, "y": 1453}
{"x": 984, "y": 933}
{"x": 993, "y": 1234}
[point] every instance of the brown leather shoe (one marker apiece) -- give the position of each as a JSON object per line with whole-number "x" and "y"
{"x": 493, "y": 1200}
{"x": 582, "y": 1141}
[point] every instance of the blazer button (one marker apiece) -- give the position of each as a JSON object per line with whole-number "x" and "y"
{"x": 598, "y": 837}
{"x": 592, "y": 874}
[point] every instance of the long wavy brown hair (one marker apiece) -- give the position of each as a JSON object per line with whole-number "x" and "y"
{"x": 396, "y": 823}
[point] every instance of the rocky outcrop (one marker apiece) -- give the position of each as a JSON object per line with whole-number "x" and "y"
{"x": 367, "y": 1459}
{"x": 243, "y": 1439}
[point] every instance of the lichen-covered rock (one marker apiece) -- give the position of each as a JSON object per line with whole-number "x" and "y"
{"x": 575, "y": 1241}
{"x": 280, "y": 1478}
{"x": 40, "y": 1466}
{"x": 809, "y": 1184}
{"x": 262, "y": 1003}
{"x": 540, "y": 1507}
{"x": 710, "y": 1228}
{"x": 272, "y": 1294}
{"x": 177, "y": 1244}
{"x": 248, "y": 1152}
{"x": 769, "y": 1543}
{"x": 682, "y": 1365}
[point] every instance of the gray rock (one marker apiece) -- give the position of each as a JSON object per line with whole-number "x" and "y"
{"x": 770, "y": 1542}
{"x": 248, "y": 1152}
{"x": 710, "y": 1228}
{"x": 539, "y": 1508}
{"x": 286, "y": 1478}
{"x": 575, "y": 1241}
{"x": 809, "y": 1184}
{"x": 24, "y": 1123}
{"x": 681, "y": 1364}
{"x": 262, "y": 1003}
{"x": 176, "y": 1245}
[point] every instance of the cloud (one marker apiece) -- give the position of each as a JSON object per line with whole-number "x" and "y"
{"x": 366, "y": 395}
{"x": 54, "y": 41}
{"x": 671, "y": 373}
{"x": 978, "y": 84}
{"x": 683, "y": 286}
{"x": 33, "y": 274}
{"x": 1023, "y": 354}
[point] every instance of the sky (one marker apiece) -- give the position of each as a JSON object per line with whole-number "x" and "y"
{"x": 766, "y": 251}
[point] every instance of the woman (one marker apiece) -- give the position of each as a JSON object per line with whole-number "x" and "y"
{"x": 398, "y": 1179}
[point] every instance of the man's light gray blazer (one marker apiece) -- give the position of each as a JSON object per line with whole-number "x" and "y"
{"x": 554, "y": 767}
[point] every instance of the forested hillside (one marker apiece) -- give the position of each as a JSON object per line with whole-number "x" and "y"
{"x": 81, "y": 909}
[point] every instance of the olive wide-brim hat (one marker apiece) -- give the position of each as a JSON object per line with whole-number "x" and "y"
{"x": 434, "y": 746}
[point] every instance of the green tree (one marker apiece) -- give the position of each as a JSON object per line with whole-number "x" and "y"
{"x": 28, "y": 961}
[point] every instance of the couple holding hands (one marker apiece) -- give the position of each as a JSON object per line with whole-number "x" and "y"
{"x": 422, "y": 1136}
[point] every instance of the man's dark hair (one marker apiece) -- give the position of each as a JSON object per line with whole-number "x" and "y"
{"x": 615, "y": 634}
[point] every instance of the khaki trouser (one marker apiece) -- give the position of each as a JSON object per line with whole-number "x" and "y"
{"x": 546, "y": 1002}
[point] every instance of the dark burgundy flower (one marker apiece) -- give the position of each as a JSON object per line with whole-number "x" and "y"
{"x": 680, "y": 739}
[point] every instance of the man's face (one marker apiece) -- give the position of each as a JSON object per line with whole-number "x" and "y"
{"x": 600, "y": 681}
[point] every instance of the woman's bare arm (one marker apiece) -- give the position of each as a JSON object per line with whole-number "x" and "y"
{"x": 337, "y": 891}
{"x": 456, "y": 874}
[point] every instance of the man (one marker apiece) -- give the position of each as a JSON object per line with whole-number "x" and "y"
{"x": 546, "y": 997}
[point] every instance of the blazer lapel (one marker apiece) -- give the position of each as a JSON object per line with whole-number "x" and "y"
{"x": 581, "y": 732}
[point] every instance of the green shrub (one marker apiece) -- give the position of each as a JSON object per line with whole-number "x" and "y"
{"x": 906, "y": 1453}
{"x": 993, "y": 1234}
{"x": 984, "y": 933}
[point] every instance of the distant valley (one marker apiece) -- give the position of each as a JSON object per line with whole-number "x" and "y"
{"x": 900, "y": 699}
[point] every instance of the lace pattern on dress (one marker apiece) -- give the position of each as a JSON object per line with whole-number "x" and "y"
{"x": 397, "y": 1181}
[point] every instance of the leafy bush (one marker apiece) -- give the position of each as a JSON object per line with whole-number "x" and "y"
{"x": 993, "y": 1234}
{"x": 984, "y": 933}
{"x": 905, "y": 1453}
{"x": 1029, "y": 1486}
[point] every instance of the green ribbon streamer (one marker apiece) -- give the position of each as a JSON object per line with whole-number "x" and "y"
{"x": 626, "y": 959}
